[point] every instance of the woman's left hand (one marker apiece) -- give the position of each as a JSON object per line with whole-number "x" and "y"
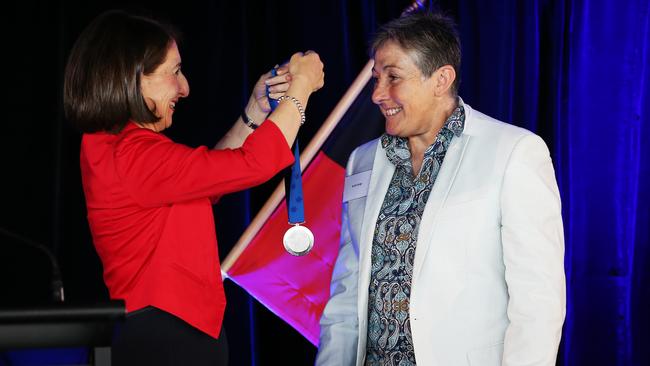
{"x": 278, "y": 85}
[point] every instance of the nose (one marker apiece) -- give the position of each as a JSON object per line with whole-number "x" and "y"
{"x": 184, "y": 87}
{"x": 378, "y": 92}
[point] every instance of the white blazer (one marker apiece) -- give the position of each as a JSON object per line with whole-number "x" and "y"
{"x": 488, "y": 278}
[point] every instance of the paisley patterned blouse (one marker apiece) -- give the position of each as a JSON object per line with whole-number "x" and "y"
{"x": 393, "y": 247}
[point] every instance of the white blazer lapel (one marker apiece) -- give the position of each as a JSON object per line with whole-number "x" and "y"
{"x": 437, "y": 197}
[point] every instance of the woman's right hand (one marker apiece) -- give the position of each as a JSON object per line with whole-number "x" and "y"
{"x": 307, "y": 76}
{"x": 308, "y": 68}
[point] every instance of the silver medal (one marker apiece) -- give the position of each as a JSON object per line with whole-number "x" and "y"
{"x": 298, "y": 240}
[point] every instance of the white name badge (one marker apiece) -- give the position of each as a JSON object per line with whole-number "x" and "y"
{"x": 356, "y": 186}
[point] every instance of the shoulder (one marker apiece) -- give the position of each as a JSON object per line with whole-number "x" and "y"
{"x": 478, "y": 123}
{"x": 363, "y": 155}
{"x": 509, "y": 138}
{"x": 368, "y": 148}
{"x": 136, "y": 145}
{"x": 133, "y": 135}
{"x": 482, "y": 126}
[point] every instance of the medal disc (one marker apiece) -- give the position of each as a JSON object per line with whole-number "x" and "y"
{"x": 298, "y": 240}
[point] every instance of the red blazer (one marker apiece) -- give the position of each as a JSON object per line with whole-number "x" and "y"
{"x": 150, "y": 214}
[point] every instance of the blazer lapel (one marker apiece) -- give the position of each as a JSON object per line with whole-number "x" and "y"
{"x": 437, "y": 197}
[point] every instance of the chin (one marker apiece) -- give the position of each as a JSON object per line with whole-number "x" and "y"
{"x": 392, "y": 128}
{"x": 163, "y": 125}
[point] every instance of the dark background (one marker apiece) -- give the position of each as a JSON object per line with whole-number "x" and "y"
{"x": 573, "y": 71}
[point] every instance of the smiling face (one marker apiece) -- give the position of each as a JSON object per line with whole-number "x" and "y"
{"x": 163, "y": 88}
{"x": 405, "y": 97}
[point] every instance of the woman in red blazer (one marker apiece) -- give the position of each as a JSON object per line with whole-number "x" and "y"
{"x": 149, "y": 199}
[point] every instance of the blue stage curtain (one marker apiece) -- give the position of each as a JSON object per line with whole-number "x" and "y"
{"x": 577, "y": 73}
{"x": 604, "y": 130}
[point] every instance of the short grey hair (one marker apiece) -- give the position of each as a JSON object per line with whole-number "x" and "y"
{"x": 431, "y": 39}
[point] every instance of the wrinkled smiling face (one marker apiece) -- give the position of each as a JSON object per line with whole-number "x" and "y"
{"x": 163, "y": 88}
{"x": 404, "y": 96}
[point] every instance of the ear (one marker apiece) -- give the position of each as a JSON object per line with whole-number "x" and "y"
{"x": 444, "y": 78}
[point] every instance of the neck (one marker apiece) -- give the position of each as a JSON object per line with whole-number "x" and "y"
{"x": 418, "y": 144}
{"x": 155, "y": 127}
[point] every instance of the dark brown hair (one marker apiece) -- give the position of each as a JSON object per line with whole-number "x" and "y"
{"x": 430, "y": 38}
{"x": 102, "y": 76}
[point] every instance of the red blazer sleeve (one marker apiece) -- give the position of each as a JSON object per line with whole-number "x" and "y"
{"x": 157, "y": 171}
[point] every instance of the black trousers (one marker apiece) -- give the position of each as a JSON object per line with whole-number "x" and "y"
{"x": 154, "y": 337}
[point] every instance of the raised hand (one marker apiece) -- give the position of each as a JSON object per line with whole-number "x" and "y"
{"x": 278, "y": 85}
{"x": 309, "y": 67}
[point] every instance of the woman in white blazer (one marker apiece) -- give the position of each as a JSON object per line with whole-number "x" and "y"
{"x": 452, "y": 248}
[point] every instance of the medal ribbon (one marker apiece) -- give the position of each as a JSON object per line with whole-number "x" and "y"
{"x": 292, "y": 179}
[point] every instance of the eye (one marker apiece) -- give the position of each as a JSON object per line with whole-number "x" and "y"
{"x": 178, "y": 71}
{"x": 392, "y": 77}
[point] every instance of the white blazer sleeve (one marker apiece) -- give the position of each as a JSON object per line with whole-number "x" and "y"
{"x": 533, "y": 250}
{"x": 339, "y": 326}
